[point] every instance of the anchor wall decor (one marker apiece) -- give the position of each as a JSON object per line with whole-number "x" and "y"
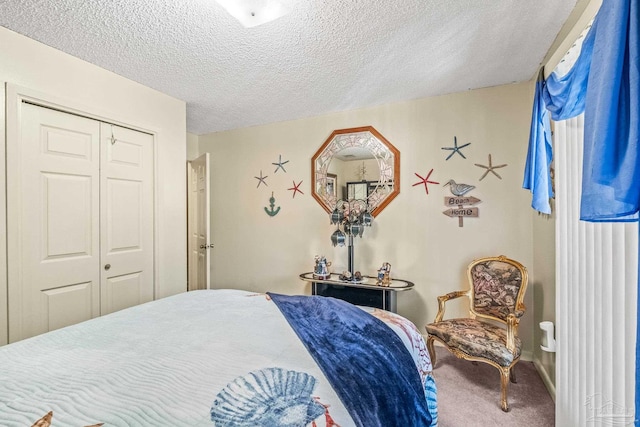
{"x": 272, "y": 204}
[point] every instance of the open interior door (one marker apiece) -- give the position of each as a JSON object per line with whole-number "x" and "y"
{"x": 199, "y": 223}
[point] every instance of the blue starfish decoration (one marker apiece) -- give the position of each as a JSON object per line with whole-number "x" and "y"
{"x": 261, "y": 179}
{"x": 280, "y": 164}
{"x": 455, "y": 149}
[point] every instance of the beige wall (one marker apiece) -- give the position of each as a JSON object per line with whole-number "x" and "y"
{"x": 106, "y": 95}
{"x": 192, "y": 146}
{"x": 543, "y": 285}
{"x": 261, "y": 253}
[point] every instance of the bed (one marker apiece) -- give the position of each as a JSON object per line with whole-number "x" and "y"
{"x": 222, "y": 358}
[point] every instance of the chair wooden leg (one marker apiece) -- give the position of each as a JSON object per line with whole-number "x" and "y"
{"x": 504, "y": 384}
{"x": 431, "y": 349}
{"x": 512, "y": 375}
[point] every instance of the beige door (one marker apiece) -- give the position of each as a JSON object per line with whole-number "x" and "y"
{"x": 199, "y": 223}
{"x": 64, "y": 216}
{"x": 126, "y": 218}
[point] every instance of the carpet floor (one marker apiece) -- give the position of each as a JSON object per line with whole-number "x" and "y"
{"x": 469, "y": 395}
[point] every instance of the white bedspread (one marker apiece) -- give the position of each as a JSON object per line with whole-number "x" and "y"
{"x": 158, "y": 364}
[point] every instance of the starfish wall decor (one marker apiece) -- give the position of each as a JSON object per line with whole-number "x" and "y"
{"x": 280, "y": 164}
{"x": 261, "y": 179}
{"x": 490, "y": 168}
{"x": 425, "y": 181}
{"x": 296, "y": 189}
{"x": 455, "y": 149}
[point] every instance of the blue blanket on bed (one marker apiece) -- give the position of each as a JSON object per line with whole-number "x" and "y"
{"x": 366, "y": 362}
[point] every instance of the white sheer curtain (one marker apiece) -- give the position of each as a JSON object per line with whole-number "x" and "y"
{"x": 596, "y": 287}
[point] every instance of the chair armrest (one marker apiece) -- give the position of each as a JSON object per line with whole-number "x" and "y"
{"x": 513, "y": 320}
{"x": 442, "y": 299}
{"x": 520, "y": 309}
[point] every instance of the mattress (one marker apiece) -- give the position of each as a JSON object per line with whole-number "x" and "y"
{"x": 179, "y": 361}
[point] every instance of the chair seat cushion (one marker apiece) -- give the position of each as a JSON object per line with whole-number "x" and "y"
{"x": 476, "y": 338}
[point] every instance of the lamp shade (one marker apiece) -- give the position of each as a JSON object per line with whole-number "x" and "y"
{"x": 338, "y": 238}
{"x": 367, "y": 218}
{"x": 357, "y": 229}
{"x": 335, "y": 216}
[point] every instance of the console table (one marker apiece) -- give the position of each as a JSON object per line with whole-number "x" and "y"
{"x": 364, "y": 292}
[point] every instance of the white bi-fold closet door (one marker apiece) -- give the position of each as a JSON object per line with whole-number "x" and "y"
{"x": 80, "y": 219}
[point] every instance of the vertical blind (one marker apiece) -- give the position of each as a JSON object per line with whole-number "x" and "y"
{"x": 596, "y": 291}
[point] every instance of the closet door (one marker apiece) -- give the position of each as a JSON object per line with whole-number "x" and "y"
{"x": 126, "y": 218}
{"x": 80, "y": 216}
{"x": 54, "y": 269}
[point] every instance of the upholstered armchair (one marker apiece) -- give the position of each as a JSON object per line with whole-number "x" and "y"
{"x": 490, "y": 333}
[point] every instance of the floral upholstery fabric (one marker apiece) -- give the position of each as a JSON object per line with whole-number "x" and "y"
{"x": 495, "y": 288}
{"x": 476, "y": 338}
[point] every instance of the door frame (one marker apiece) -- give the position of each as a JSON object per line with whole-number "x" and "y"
{"x": 15, "y": 95}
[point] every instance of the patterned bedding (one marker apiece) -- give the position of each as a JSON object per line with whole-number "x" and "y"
{"x": 202, "y": 358}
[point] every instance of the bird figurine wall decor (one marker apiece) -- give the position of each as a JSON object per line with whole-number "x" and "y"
{"x": 459, "y": 189}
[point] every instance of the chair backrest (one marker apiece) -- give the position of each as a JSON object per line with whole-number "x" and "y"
{"x": 498, "y": 285}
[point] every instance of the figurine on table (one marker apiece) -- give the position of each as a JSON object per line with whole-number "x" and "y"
{"x": 384, "y": 278}
{"x": 321, "y": 270}
{"x": 346, "y": 276}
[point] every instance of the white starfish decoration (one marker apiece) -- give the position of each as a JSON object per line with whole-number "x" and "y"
{"x": 490, "y": 168}
{"x": 261, "y": 179}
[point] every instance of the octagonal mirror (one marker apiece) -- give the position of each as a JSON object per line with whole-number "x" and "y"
{"x": 356, "y": 163}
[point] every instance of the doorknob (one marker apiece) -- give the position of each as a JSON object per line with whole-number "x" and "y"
{"x": 107, "y": 266}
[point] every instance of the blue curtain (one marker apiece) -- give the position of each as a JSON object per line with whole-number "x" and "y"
{"x": 563, "y": 97}
{"x": 539, "y": 156}
{"x": 611, "y": 174}
{"x": 604, "y": 84}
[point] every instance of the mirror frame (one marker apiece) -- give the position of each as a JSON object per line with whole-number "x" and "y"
{"x": 320, "y": 162}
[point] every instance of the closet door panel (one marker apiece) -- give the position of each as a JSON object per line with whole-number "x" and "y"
{"x": 123, "y": 291}
{"x": 58, "y": 299}
{"x": 68, "y": 224}
{"x": 127, "y": 218}
{"x": 54, "y": 220}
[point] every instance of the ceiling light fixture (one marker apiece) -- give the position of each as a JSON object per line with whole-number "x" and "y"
{"x": 252, "y": 13}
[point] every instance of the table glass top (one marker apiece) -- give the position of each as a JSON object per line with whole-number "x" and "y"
{"x": 366, "y": 282}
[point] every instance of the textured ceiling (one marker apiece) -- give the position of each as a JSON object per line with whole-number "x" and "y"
{"x": 325, "y": 56}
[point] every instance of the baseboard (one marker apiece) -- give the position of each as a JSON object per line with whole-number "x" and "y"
{"x": 545, "y": 378}
{"x": 526, "y": 355}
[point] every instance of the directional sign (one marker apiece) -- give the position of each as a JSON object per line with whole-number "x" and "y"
{"x": 459, "y": 201}
{"x": 458, "y": 208}
{"x": 461, "y": 211}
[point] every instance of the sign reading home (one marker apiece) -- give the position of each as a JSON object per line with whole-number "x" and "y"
{"x": 457, "y": 207}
